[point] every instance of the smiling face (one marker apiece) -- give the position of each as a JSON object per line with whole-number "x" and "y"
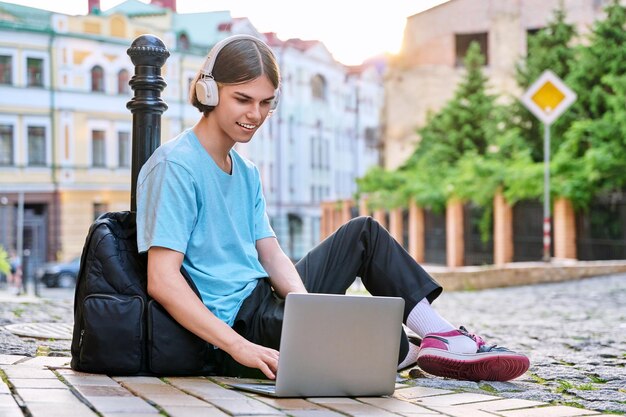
{"x": 242, "y": 109}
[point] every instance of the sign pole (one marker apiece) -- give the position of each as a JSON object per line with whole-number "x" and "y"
{"x": 547, "y": 225}
{"x": 547, "y": 98}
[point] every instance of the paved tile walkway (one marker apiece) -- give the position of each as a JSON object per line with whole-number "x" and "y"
{"x": 46, "y": 387}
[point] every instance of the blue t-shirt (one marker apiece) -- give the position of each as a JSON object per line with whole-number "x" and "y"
{"x": 185, "y": 202}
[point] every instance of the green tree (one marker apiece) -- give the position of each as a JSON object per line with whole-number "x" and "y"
{"x": 449, "y": 156}
{"x": 592, "y": 158}
{"x": 602, "y": 58}
{"x": 461, "y": 138}
{"x": 549, "y": 48}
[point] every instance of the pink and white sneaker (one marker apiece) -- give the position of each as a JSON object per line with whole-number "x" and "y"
{"x": 460, "y": 355}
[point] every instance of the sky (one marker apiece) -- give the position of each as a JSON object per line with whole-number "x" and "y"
{"x": 352, "y": 30}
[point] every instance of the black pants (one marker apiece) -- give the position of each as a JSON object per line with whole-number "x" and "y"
{"x": 360, "y": 248}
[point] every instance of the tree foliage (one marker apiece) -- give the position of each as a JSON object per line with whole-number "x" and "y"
{"x": 454, "y": 140}
{"x": 549, "y": 48}
{"x": 592, "y": 157}
{"x": 474, "y": 145}
{"x": 601, "y": 59}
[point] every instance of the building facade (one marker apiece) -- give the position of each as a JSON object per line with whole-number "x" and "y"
{"x": 65, "y": 132}
{"x": 323, "y": 136}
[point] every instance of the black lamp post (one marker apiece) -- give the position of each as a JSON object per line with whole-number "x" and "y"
{"x": 148, "y": 53}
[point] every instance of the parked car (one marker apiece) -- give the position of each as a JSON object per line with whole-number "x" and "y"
{"x": 59, "y": 274}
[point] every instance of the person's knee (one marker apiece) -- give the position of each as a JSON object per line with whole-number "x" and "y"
{"x": 362, "y": 221}
{"x": 365, "y": 223}
{"x": 359, "y": 228}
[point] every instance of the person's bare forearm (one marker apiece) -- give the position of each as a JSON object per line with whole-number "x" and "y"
{"x": 175, "y": 295}
{"x": 284, "y": 277}
{"x": 283, "y": 274}
{"x": 168, "y": 287}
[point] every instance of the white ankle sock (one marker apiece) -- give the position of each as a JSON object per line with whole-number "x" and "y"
{"x": 423, "y": 320}
{"x": 411, "y": 356}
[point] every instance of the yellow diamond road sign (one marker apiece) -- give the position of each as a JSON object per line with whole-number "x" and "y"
{"x": 548, "y": 97}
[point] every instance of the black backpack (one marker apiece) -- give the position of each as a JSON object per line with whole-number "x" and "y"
{"x": 118, "y": 328}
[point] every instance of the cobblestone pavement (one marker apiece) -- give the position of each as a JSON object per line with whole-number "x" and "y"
{"x": 27, "y": 309}
{"x": 573, "y": 333}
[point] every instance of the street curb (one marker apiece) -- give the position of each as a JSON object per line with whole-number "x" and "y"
{"x": 521, "y": 273}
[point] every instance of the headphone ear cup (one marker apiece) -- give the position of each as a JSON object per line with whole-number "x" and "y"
{"x": 207, "y": 92}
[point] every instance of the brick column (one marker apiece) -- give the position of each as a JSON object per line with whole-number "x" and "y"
{"x": 454, "y": 233}
{"x": 336, "y": 208}
{"x": 396, "y": 224}
{"x": 379, "y": 214}
{"x": 346, "y": 211}
{"x": 326, "y": 222}
{"x": 363, "y": 210}
{"x": 416, "y": 232}
{"x": 502, "y": 230}
{"x": 564, "y": 229}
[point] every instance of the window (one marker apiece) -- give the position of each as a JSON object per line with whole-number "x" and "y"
{"x": 372, "y": 137}
{"x": 99, "y": 209}
{"x": 97, "y": 79}
{"x": 312, "y": 154}
{"x": 291, "y": 130}
{"x": 34, "y": 72}
{"x": 122, "y": 82}
{"x": 315, "y": 229}
{"x": 123, "y": 149}
{"x": 6, "y": 69}
{"x": 183, "y": 42}
{"x": 325, "y": 163}
{"x": 118, "y": 26}
{"x": 98, "y": 152}
{"x": 292, "y": 179}
{"x": 6, "y": 145}
{"x": 36, "y": 146}
{"x": 463, "y": 43}
{"x": 190, "y": 83}
{"x": 318, "y": 87}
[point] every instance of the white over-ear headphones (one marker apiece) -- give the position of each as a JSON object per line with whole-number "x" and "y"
{"x": 206, "y": 87}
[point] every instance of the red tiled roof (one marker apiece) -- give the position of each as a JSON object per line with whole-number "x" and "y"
{"x": 225, "y": 27}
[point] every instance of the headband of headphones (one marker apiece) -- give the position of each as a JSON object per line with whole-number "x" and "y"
{"x": 207, "y": 68}
{"x": 206, "y": 87}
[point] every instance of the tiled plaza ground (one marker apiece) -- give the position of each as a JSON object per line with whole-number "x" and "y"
{"x": 47, "y": 387}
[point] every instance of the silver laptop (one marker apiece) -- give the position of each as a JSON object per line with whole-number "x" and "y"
{"x": 336, "y": 346}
